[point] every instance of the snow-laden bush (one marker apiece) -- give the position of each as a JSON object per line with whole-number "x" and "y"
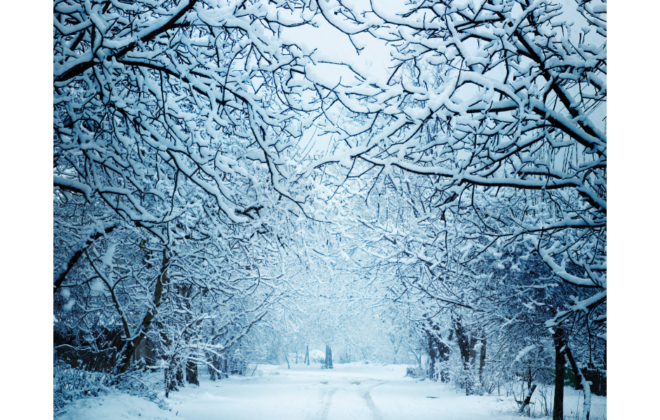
{"x": 72, "y": 384}
{"x": 316, "y": 356}
{"x": 416, "y": 372}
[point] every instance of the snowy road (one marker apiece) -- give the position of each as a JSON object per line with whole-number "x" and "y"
{"x": 301, "y": 393}
{"x": 350, "y": 402}
{"x": 350, "y": 391}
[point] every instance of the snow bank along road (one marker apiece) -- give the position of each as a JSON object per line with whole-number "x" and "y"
{"x": 349, "y": 391}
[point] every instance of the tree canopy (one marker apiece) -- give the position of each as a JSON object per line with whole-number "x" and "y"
{"x": 224, "y": 169}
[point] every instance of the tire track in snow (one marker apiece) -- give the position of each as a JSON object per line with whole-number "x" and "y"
{"x": 326, "y": 397}
{"x": 375, "y": 412}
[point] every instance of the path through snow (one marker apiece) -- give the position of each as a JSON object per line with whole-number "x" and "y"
{"x": 349, "y": 391}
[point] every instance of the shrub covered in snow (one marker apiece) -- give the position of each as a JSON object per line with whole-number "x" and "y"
{"x": 73, "y": 384}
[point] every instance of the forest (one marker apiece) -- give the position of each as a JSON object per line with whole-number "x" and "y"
{"x": 253, "y": 202}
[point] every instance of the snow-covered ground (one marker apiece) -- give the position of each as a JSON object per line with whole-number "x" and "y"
{"x": 115, "y": 406}
{"x": 349, "y": 391}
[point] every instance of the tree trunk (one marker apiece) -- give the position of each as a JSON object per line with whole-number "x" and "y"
{"x": 328, "y": 357}
{"x": 173, "y": 378}
{"x": 131, "y": 345}
{"x": 307, "y": 354}
{"x": 287, "y": 361}
{"x": 560, "y": 363}
{"x": 584, "y": 385}
{"x": 168, "y": 383}
{"x": 212, "y": 373}
{"x": 191, "y": 373}
{"x": 482, "y": 358}
{"x": 443, "y": 356}
{"x": 432, "y": 358}
{"x": 527, "y": 399}
{"x": 179, "y": 376}
{"x": 464, "y": 343}
{"x": 466, "y": 346}
{"x": 576, "y": 370}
